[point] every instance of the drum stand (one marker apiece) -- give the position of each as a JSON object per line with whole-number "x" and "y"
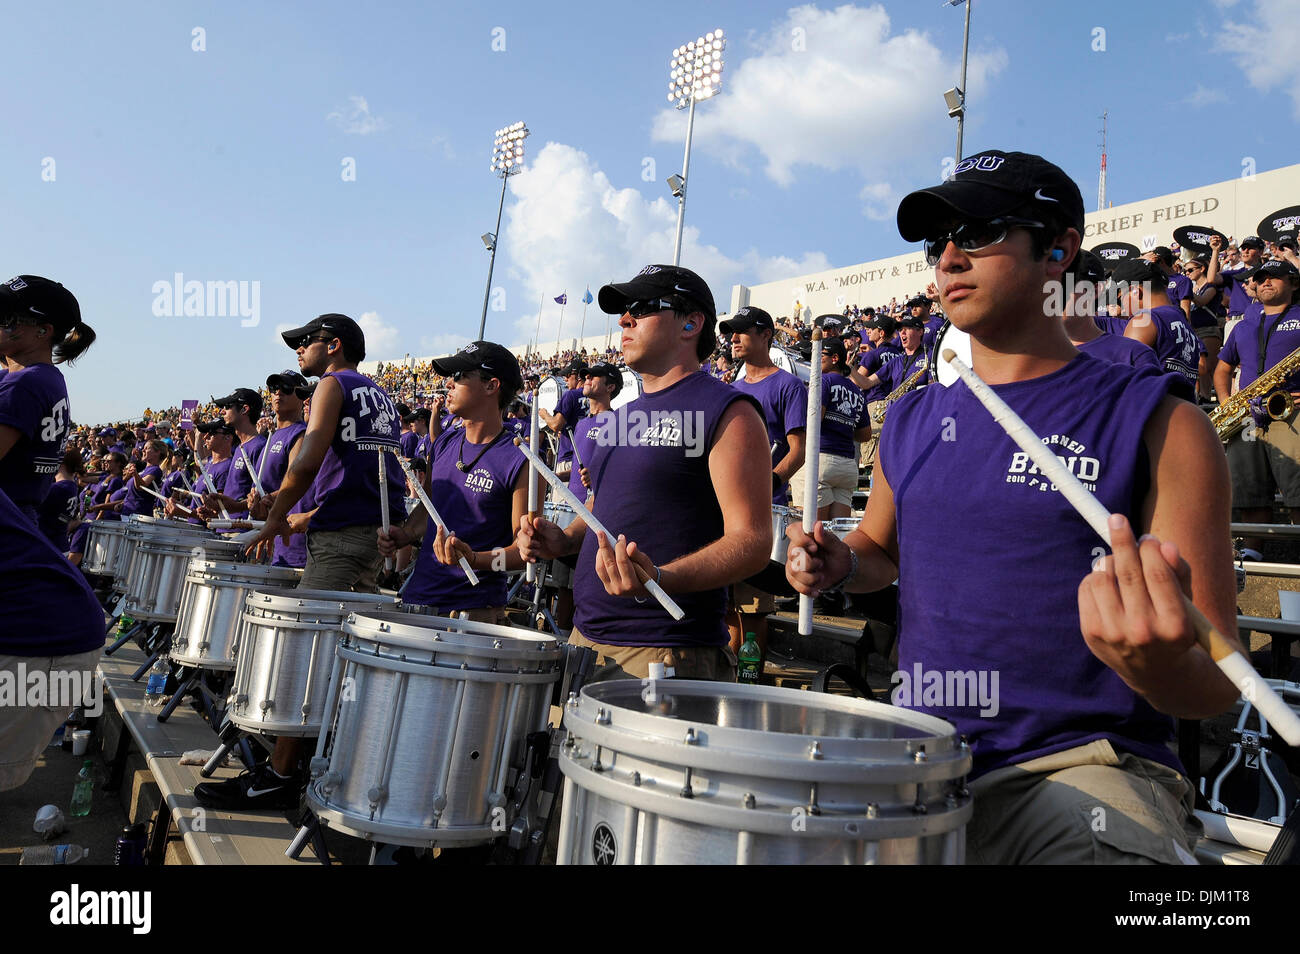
{"x": 157, "y": 644}
{"x": 538, "y": 608}
{"x": 124, "y": 637}
{"x": 194, "y": 685}
{"x": 230, "y": 737}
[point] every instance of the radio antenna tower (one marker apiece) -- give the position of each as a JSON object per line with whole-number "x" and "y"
{"x": 1101, "y": 177}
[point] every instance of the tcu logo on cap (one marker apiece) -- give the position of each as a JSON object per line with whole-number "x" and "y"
{"x": 1279, "y": 225}
{"x": 469, "y": 349}
{"x": 650, "y": 270}
{"x": 16, "y": 283}
{"x": 982, "y": 163}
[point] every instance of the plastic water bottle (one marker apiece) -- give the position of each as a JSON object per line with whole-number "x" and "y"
{"x": 125, "y": 623}
{"x": 129, "y": 849}
{"x": 53, "y": 855}
{"x": 82, "y": 791}
{"x": 751, "y": 659}
{"x": 155, "y": 690}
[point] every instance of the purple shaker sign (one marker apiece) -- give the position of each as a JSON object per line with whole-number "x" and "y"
{"x": 187, "y": 414}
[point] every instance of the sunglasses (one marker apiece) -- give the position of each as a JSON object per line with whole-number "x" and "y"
{"x": 295, "y": 392}
{"x": 975, "y": 236}
{"x": 306, "y": 341}
{"x": 462, "y": 375}
{"x": 641, "y": 309}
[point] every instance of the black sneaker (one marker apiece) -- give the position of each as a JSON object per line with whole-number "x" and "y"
{"x": 259, "y": 788}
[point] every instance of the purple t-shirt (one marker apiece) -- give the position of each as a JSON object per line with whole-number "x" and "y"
{"x": 784, "y": 402}
{"x": 872, "y": 361}
{"x": 650, "y": 474}
{"x": 408, "y": 441}
{"x": 1122, "y": 350}
{"x": 59, "y": 506}
{"x": 478, "y": 506}
{"x": 1238, "y": 300}
{"x": 138, "y": 500}
{"x": 573, "y": 406}
{"x": 423, "y": 446}
{"x": 901, "y": 368}
{"x": 274, "y": 462}
{"x": 108, "y": 489}
{"x": 1111, "y": 326}
{"x": 50, "y": 609}
{"x": 347, "y": 485}
{"x": 584, "y": 440}
{"x": 1243, "y": 345}
{"x": 34, "y": 402}
{"x": 1177, "y": 347}
{"x": 845, "y": 410}
{"x": 1011, "y": 613}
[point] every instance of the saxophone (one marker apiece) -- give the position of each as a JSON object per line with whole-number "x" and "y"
{"x": 910, "y": 383}
{"x": 1234, "y": 414}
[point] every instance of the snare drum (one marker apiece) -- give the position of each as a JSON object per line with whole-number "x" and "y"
{"x": 559, "y": 513}
{"x": 630, "y": 392}
{"x": 549, "y": 391}
{"x": 782, "y": 517}
{"x": 210, "y": 615}
{"x": 714, "y": 773}
{"x": 948, "y": 336}
{"x": 429, "y": 727}
{"x": 286, "y": 651}
{"x": 158, "y": 566}
{"x": 105, "y": 542}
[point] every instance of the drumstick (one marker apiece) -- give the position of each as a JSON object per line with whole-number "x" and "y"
{"x": 257, "y": 484}
{"x": 153, "y": 493}
{"x": 811, "y": 460}
{"x": 1234, "y": 665}
{"x": 569, "y": 497}
{"x": 383, "y": 504}
{"x": 225, "y": 515}
{"x": 434, "y": 516}
{"x": 573, "y": 441}
{"x": 534, "y": 442}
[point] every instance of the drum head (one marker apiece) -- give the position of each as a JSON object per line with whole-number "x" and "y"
{"x": 548, "y": 394}
{"x": 631, "y": 390}
{"x": 949, "y": 336}
{"x": 790, "y": 362}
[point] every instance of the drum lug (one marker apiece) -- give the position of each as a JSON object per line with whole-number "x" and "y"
{"x": 636, "y": 778}
{"x": 318, "y": 766}
{"x": 748, "y": 801}
{"x": 813, "y": 807}
{"x": 919, "y": 755}
{"x": 602, "y": 716}
{"x": 241, "y": 700}
{"x": 573, "y": 700}
{"x": 180, "y": 642}
{"x": 204, "y": 645}
{"x": 873, "y": 810}
{"x": 376, "y": 795}
{"x": 816, "y": 751}
{"x": 691, "y": 739}
{"x": 329, "y": 781}
{"x": 687, "y": 791}
{"x": 597, "y": 767}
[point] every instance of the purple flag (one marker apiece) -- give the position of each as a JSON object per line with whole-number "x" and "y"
{"x": 563, "y": 299}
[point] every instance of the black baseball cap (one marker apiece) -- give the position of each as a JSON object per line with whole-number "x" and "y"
{"x": 610, "y": 373}
{"x": 1275, "y": 268}
{"x": 1251, "y": 241}
{"x": 30, "y": 296}
{"x": 916, "y": 300}
{"x": 243, "y": 396}
{"x": 910, "y": 322}
{"x": 658, "y": 281}
{"x": 883, "y": 323}
{"x": 289, "y": 379}
{"x": 1141, "y": 271}
{"x": 990, "y": 184}
{"x": 340, "y": 326}
{"x": 745, "y": 318}
{"x": 1286, "y": 241}
{"x": 216, "y": 427}
{"x": 835, "y": 346}
{"x": 829, "y": 320}
{"x": 1089, "y": 267}
{"x": 419, "y": 414}
{"x": 485, "y": 356}
{"x": 576, "y": 366}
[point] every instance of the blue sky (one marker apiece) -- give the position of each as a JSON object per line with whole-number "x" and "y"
{"x": 225, "y": 164}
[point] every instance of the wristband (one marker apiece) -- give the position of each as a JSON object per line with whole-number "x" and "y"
{"x": 659, "y": 576}
{"x": 853, "y": 569}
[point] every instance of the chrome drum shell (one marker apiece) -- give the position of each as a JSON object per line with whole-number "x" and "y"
{"x": 211, "y": 612}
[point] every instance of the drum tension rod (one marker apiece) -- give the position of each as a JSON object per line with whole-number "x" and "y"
{"x": 813, "y": 807}
{"x": 687, "y": 792}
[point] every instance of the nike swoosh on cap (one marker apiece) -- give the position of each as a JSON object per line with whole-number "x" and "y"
{"x": 1038, "y": 194}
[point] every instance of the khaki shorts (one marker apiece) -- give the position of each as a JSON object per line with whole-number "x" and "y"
{"x": 748, "y": 599}
{"x": 26, "y": 729}
{"x": 1270, "y": 461}
{"x": 1086, "y": 805}
{"x": 837, "y": 479}
{"x": 716, "y": 663}
{"x": 346, "y": 559}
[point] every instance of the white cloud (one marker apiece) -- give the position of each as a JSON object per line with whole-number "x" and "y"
{"x": 443, "y": 143}
{"x": 848, "y": 96}
{"x": 355, "y": 118}
{"x": 568, "y": 227}
{"x": 1262, "y": 40}
{"x": 440, "y": 344}
{"x": 878, "y": 201}
{"x": 381, "y": 338}
{"x": 1205, "y": 96}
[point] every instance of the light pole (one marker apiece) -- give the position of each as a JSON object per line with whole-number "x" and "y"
{"x": 507, "y": 160}
{"x": 695, "y": 72}
{"x": 956, "y": 97}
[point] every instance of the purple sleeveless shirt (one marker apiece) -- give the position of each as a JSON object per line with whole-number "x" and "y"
{"x": 1177, "y": 346}
{"x": 275, "y": 455}
{"x": 239, "y": 481}
{"x": 34, "y": 402}
{"x": 294, "y": 553}
{"x": 347, "y": 485}
{"x": 650, "y": 473}
{"x": 1011, "y": 554}
{"x": 478, "y": 506}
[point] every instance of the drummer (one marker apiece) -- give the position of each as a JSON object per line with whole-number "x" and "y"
{"x": 419, "y": 420}
{"x": 569, "y": 409}
{"x": 241, "y": 410}
{"x": 1078, "y": 729}
{"x": 138, "y": 500}
{"x": 288, "y": 390}
{"x": 478, "y": 481}
{"x": 695, "y": 517}
{"x": 784, "y": 401}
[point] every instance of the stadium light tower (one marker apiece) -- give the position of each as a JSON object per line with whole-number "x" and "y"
{"x": 507, "y": 160}
{"x": 956, "y": 98}
{"x": 694, "y": 73}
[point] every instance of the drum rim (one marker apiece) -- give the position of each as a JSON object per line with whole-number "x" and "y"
{"x": 237, "y": 568}
{"x": 285, "y": 597}
{"x": 530, "y": 645}
{"x": 936, "y": 352}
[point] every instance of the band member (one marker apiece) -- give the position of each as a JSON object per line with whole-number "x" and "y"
{"x": 419, "y": 421}
{"x": 408, "y": 438}
{"x": 40, "y": 326}
{"x": 241, "y": 410}
{"x": 1154, "y": 321}
{"x": 1264, "y": 458}
{"x": 60, "y": 511}
{"x": 52, "y": 624}
{"x": 784, "y": 402}
{"x": 691, "y": 514}
{"x": 149, "y": 475}
{"x": 914, "y": 357}
{"x": 568, "y": 411}
{"x": 352, "y": 420}
{"x": 1079, "y": 723}
{"x": 880, "y": 331}
{"x": 845, "y": 423}
{"x": 478, "y": 480}
{"x": 1081, "y": 327}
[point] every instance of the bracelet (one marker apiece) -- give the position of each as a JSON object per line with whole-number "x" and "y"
{"x": 659, "y": 576}
{"x": 853, "y": 569}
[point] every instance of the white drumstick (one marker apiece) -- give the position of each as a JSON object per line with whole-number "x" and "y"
{"x": 434, "y": 516}
{"x": 811, "y": 460}
{"x": 154, "y": 493}
{"x": 383, "y": 504}
{"x": 569, "y": 497}
{"x": 225, "y": 514}
{"x": 257, "y": 484}
{"x": 1234, "y": 665}
{"x": 534, "y": 442}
